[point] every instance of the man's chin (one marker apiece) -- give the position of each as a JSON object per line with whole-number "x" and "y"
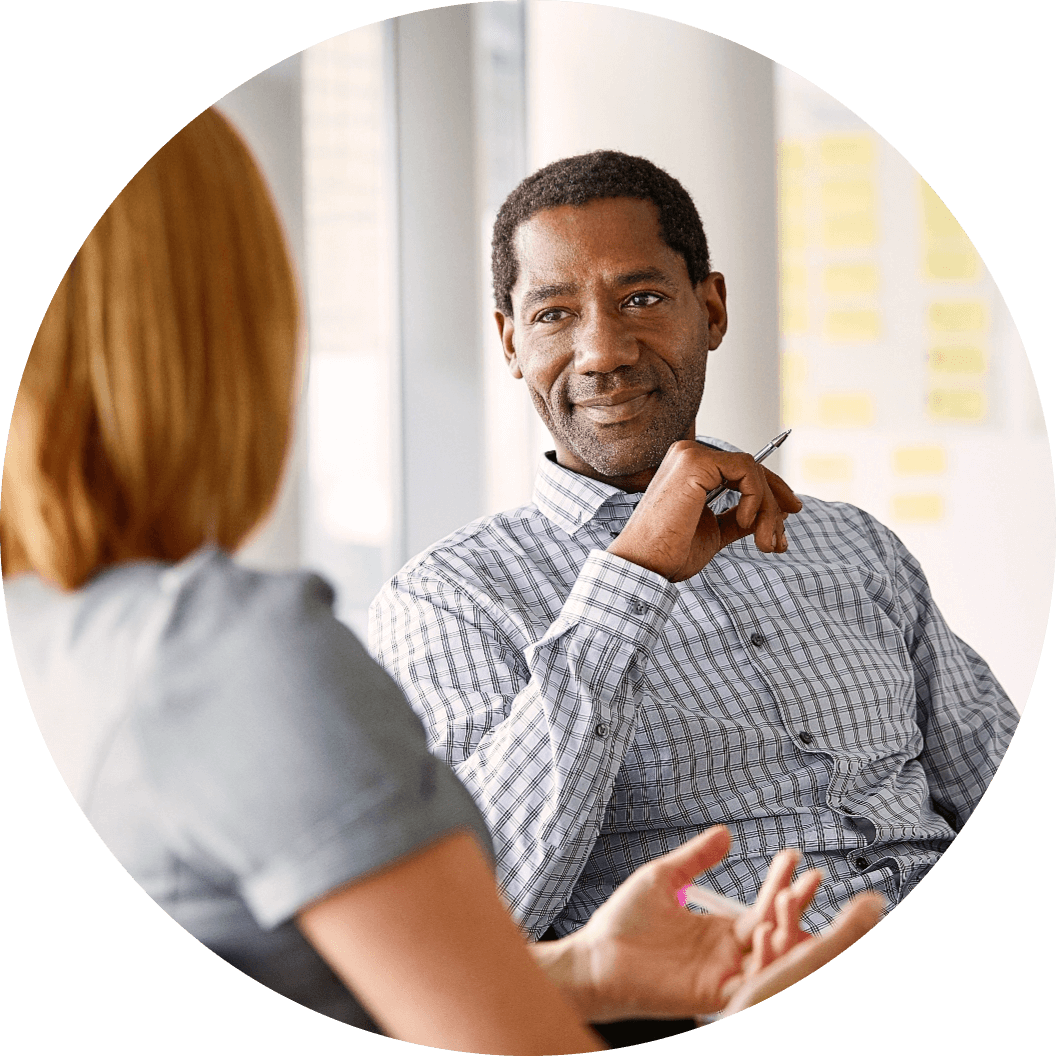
{"x": 612, "y": 464}
{"x": 625, "y": 454}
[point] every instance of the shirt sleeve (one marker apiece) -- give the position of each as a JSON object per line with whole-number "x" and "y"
{"x": 282, "y": 756}
{"x": 966, "y": 718}
{"x": 537, "y": 731}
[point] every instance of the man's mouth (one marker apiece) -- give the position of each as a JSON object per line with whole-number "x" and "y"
{"x": 614, "y": 406}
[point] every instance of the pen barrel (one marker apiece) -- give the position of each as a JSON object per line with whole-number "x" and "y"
{"x": 760, "y": 456}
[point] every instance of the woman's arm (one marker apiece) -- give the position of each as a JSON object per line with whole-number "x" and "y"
{"x": 428, "y": 947}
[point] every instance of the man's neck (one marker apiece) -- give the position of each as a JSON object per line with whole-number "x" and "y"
{"x": 632, "y": 483}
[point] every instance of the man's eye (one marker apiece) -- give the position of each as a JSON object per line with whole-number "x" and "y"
{"x": 551, "y": 315}
{"x": 642, "y": 300}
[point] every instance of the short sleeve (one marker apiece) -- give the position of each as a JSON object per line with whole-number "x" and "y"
{"x": 284, "y": 759}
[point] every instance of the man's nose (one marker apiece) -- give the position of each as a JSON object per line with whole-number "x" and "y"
{"x": 604, "y": 342}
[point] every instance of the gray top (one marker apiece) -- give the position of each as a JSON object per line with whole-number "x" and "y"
{"x": 236, "y": 749}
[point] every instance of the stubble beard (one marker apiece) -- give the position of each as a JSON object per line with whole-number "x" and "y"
{"x": 611, "y": 456}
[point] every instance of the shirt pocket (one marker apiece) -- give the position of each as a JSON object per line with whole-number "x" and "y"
{"x": 846, "y": 678}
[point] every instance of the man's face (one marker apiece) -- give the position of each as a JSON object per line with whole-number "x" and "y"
{"x": 610, "y": 336}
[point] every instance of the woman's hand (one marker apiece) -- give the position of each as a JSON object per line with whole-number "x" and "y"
{"x": 808, "y": 953}
{"x": 642, "y": 955}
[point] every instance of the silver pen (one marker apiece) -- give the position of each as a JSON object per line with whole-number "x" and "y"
{"x": 761, "y": 455}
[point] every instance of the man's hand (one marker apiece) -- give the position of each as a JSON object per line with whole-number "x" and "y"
{"x": 642, "y": 955}
{"x": 673, "y": 533}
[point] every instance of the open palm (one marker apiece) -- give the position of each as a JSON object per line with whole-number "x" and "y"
{"x": 646, "y": 955}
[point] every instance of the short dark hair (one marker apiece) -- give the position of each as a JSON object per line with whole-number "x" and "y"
{"x": 586, "y": 178}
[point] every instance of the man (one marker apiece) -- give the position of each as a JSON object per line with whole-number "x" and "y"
{"x": 614, "y": 667}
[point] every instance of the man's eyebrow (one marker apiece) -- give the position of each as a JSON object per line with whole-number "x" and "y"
{"x": 649, "y": 275}
{"x": 543, "y": 293}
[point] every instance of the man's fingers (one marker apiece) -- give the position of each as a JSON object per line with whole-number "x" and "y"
{"x": 760, "y": 510}
{"x": 785, "y": 496}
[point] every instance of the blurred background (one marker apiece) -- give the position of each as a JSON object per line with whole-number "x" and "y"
{"x": 860, "y": 314}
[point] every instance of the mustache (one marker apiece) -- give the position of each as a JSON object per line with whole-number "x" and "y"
{"x": 588, "y": 387}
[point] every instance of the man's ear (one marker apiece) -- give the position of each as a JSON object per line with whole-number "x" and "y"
{"x": 509, "y": 350}
{"x": 711, "y": 296}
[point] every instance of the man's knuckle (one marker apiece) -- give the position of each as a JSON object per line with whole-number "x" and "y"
{"x": 683, "y": 451}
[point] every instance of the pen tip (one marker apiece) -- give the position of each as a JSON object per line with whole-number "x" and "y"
{"x": 782, "y": 438}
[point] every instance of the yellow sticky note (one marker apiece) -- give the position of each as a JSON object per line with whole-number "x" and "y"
{"x": 918, "y": 460}
{"x": 951, "y": 316}
{"x": 917, "y": 507}
{"x": 858, "y": 324}
{"x": 951, "y": 264}
{"x": 794, "y": 277}
{"x": 827, "y": 467}
{"x": 958, "y": 405}
{"x": 851, "y": 278}
{"x": 847, "y": 149}
{"x": 939, "y": 222}
{"x": 847, "y": 196}
{"x": 845, "y": 409}
{"x": 849, "y": 231}
{"x": 957, "y": 359}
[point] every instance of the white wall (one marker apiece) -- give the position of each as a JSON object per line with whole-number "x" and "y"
{"x": 703, "y": 108}
{"x": 700, "y": 107}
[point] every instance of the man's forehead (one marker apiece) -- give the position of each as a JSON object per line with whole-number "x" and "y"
{"x": 621, "y": 235}
{"x": 600, "y": 219}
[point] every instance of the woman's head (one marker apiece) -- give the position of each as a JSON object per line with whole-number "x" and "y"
{"x": 154, "y": 412}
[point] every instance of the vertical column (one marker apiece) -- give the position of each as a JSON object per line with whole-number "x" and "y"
{"x": 511, "y": 439}
{"x": 439, "y": 277}
{"x": 349, "y": 490}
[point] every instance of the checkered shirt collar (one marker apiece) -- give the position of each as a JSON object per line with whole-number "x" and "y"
{"x": 571, "y": 500}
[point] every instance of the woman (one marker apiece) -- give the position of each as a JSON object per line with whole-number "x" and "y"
{"x": 230, "y": 740}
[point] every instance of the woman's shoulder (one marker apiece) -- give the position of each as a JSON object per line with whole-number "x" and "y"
{"x": 212, "y": 588}
{"x": 219, "y": 623}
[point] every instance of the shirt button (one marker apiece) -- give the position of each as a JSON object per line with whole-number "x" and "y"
{"x": 639, "y": 607}
{"x": 757, "y": 639}
{"x": 805, "y": 736}
{"x": 602, "y": 729}
{"x": 861, "y": 864}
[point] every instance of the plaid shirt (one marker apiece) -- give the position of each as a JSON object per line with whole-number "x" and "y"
{"x": 601, "y": 715}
